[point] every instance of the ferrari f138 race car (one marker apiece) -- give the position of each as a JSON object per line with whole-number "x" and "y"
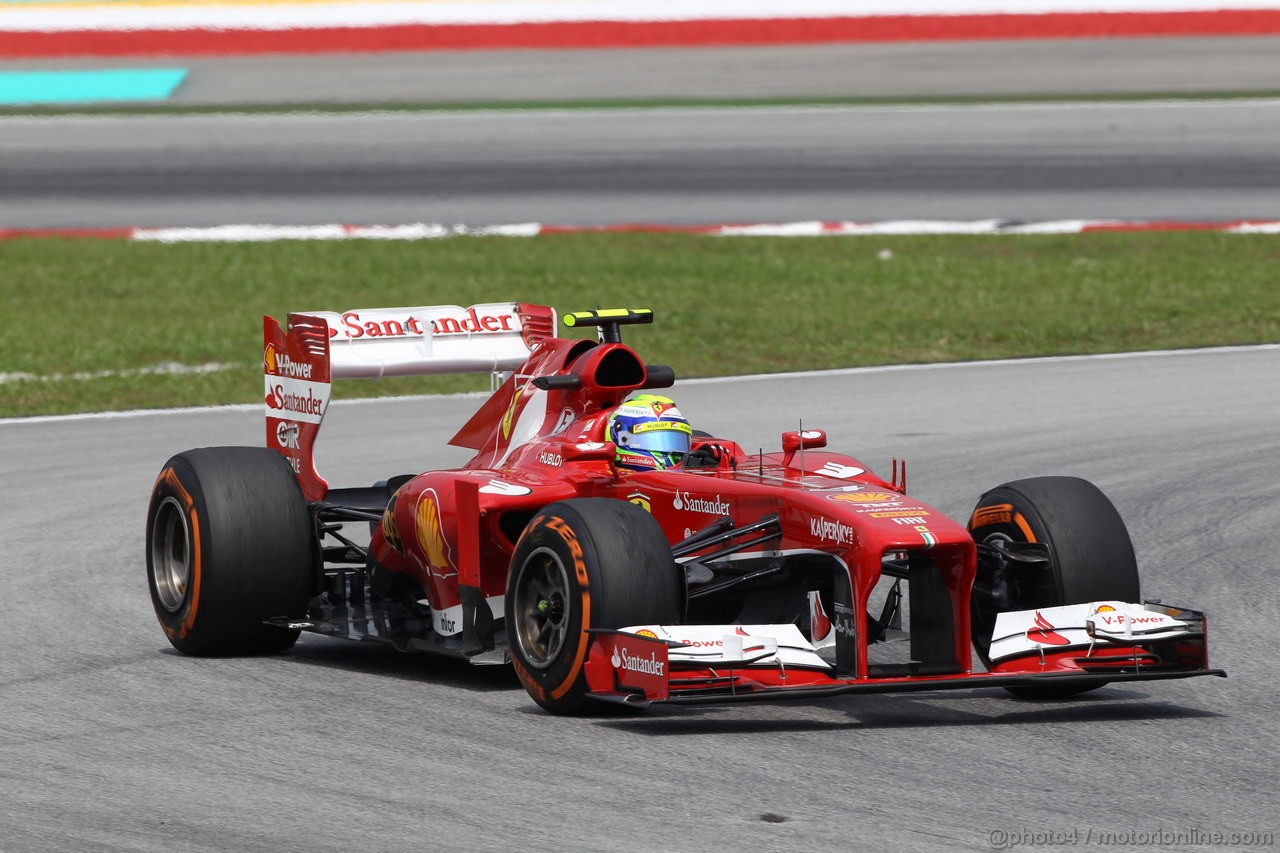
{"x": 610, "y": 552}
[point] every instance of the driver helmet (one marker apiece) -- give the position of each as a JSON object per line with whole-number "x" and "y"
{"x": 650, "y": 433}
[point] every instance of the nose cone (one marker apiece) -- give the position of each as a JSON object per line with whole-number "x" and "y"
{"x": 884, "y": 519}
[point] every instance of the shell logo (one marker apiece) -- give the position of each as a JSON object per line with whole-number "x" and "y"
{"x": 269, "y": 358}
{"x": 645, "y": 632}
{"x": 862, "y": 497}
{"x": 1106, "y": 608}
{"x": 430, "y": 534}
{"x": 390, "y": 529}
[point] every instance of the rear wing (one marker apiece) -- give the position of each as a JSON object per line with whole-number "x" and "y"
{"x": 301, "y": 360}
{"x": 433, "y": 340}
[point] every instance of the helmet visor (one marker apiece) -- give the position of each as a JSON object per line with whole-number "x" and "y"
{"x": 661, "y": 438}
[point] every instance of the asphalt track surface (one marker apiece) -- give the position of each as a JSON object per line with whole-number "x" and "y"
{"x": 1213, "y": 160}
{"x": 110, "y": 740}
{"x": 1174, "y": 161}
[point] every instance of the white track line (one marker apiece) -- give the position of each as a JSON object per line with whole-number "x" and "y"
{"x": 814, "y": 228}
{"x": 167, "y": 369}
{"x": 756, "y": 377}
{"x": 271, "y": 233}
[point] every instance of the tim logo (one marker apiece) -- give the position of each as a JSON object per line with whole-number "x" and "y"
{"x": 287, "y": 435}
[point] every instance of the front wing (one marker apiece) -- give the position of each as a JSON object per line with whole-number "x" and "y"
{"x": 707, "y": 664}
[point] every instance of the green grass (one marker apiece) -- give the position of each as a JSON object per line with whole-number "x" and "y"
{"x": 632, "y": 103}
{"x": 723, "y": 305}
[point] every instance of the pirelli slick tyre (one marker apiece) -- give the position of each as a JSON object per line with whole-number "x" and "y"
{"x": 229, "y": 544}
{"x": 579, "y": 565}
{"x": 1091, "y": 557}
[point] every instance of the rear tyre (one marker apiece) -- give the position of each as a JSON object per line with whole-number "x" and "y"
{"x": 1091, "y": 557}
{"x": 579, "y": 565}
{"x": 229, "y": 544}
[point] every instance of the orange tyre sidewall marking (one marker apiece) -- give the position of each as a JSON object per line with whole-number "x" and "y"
{"x": 1001, "y": 514}
{"x": 1024, "y": 527}
{"x": 580, "y": 570}
{"x": 994, "y": 514}
{"x": 170, "y": 477}
{"x": 530, "y": 683}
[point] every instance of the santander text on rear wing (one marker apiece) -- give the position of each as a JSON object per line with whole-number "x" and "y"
{"x": 376, "y": 342}
{"x": 300, "y": 360}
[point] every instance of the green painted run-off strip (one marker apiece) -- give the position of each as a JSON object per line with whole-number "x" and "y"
{"x": 114, "y": 85}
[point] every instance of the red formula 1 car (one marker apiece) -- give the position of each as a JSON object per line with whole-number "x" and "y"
{"x": 717, "y": 576}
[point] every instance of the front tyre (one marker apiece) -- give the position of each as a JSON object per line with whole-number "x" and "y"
{"x": 1091, "y": 557}
{"x": 229, "y": 544}
{"x": 581, "y": 565}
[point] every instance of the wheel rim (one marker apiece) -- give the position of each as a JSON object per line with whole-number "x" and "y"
{"x": 983, "y": 610}
{"x": 171, "y": 555}
{"x": 541, "y": 608}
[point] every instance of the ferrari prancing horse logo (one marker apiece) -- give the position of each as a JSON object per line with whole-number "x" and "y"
{"x": 508, "y": 420}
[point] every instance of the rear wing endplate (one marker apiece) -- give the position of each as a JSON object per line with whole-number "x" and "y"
{"x": 301, "y": 360}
